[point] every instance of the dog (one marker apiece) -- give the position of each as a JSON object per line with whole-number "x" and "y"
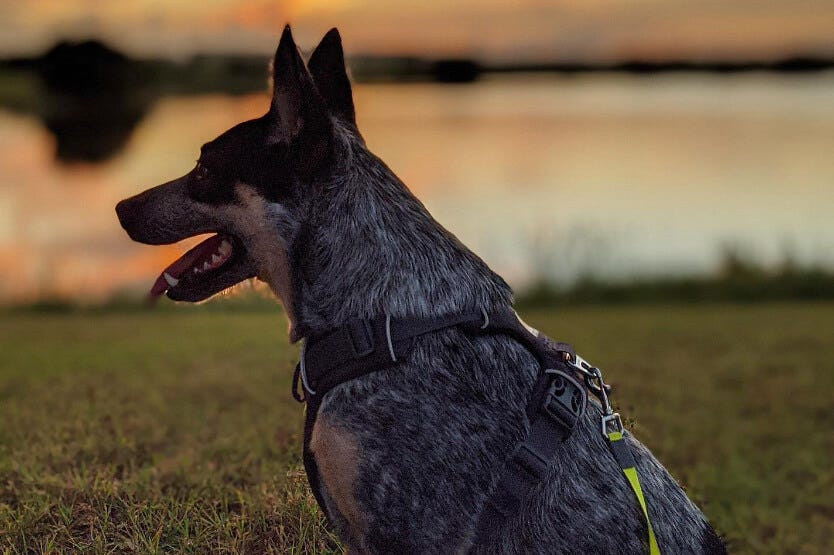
{"x": 406, "y": 456}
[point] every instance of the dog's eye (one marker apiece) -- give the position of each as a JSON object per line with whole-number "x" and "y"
{"x": 200, "y": 172}
{"x": 208, "y": 186}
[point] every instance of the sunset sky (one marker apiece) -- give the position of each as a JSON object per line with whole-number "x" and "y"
{"x": 486, "y": 29}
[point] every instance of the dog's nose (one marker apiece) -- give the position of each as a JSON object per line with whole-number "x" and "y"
{"x": 127, "y": 214}
{"x": 122, "y": 212}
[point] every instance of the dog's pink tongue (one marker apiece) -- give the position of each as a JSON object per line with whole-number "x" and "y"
{"x": 194, "y": 257}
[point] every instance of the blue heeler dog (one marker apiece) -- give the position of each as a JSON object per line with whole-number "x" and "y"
{"x": 406, "y": 456}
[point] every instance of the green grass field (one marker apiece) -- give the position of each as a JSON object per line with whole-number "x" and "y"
{"x": 174, "y": 431}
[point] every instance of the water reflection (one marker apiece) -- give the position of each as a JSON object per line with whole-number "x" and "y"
{"x": 613, "y": 175}
{"x": 91, "y": 97}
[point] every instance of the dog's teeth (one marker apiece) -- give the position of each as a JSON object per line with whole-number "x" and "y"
{"x": 225, "y": 248}
{"x": 206, "y": 266}
{"x": 215, "y": 259}
{"x": 196, "y": 270}
{"x": 172, "y": 281}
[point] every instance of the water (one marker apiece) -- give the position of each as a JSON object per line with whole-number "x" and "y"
{"x": 615, "y": 176}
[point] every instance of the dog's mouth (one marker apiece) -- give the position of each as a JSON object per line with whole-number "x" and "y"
{"x": 208, "y": 268}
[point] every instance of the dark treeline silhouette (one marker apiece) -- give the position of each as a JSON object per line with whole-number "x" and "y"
{"x": 89, "y": 106}
{"x": 462, "y": 70}
{"x": 787, "y": 65}
{"x": 91, "y": 96}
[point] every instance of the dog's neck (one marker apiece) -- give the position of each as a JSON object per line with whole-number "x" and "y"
{"x": 369, "y": 247}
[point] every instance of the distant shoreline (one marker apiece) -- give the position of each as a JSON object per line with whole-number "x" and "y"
{"x": 104, "y": 60}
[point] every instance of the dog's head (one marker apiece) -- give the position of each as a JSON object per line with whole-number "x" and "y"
{"x": 251, "y": 184}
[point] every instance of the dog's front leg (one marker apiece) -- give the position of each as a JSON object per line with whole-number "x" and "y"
{"x": 337, "y": 456}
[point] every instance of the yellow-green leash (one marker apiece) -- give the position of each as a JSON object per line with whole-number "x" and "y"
{"x": 612, "y": 429}
{"x": 624, "y": 457}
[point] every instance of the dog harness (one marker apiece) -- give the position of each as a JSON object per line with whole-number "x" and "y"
{"x": 558, "y": 400}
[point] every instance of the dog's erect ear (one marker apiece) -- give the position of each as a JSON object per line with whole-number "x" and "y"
{"x": 298, "y": 114}
{"x": 296, "y": 104}
{"x": 327, "y": 65}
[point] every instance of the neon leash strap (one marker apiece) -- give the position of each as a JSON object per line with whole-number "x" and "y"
{"x": 626, "y": 461}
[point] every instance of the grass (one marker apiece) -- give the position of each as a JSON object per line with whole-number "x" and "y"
{"x": 174, "y": 431}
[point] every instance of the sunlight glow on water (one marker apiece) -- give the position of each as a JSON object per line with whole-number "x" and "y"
{"x": 615, "y": 175}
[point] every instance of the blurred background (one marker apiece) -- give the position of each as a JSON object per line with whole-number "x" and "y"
{"x": 676, "y": 148}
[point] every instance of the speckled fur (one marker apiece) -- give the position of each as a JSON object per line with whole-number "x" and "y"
{"x": 434, "y": 431}
{"x": 412, "y": 450}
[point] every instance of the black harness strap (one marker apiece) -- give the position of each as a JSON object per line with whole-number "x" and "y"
{"x": 554, "y": 418}
{"x": 365, "y": 346}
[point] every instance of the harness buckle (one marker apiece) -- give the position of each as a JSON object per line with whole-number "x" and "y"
{"x": 361, "y": 338}
{"x": 564, "y": 399}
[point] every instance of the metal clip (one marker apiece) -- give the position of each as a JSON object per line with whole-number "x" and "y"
{"x": 612, "y": 423}
{"x": 599, "y": 388}
{"x": 594, "y": 382}
{"x": 579, "y": 363}
{"x": 593, "y": 378}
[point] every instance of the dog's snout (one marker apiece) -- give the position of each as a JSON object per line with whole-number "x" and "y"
{"x": 138, "y": 217}
{"x": 163, "y": 215}
{"x": 126, "y": 212}
{"x": 122, "y": 210}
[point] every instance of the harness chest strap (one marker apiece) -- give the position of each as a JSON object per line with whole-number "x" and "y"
{"x": 554, "y": 415}
{"x": 558, "y": 400}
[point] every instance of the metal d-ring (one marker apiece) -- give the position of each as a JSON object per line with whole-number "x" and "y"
{"x": 304, "y": 382}
{"x": 388, "y": 337}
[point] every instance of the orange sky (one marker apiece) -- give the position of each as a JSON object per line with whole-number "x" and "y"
{"x": 492, "y": 29}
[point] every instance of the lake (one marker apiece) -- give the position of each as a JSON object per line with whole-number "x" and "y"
{"x": 545, "y": 177}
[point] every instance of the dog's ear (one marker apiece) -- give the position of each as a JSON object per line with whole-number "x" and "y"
{"x": 327, "y": 65}
{"x": 296, "y": 104}
{"x": 298, "y": 114}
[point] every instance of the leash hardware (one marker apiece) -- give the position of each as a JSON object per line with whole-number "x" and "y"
{"x": 611, "y": 423}
{"x": 599, "y": 388}
{"x": 593, "y": 378}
